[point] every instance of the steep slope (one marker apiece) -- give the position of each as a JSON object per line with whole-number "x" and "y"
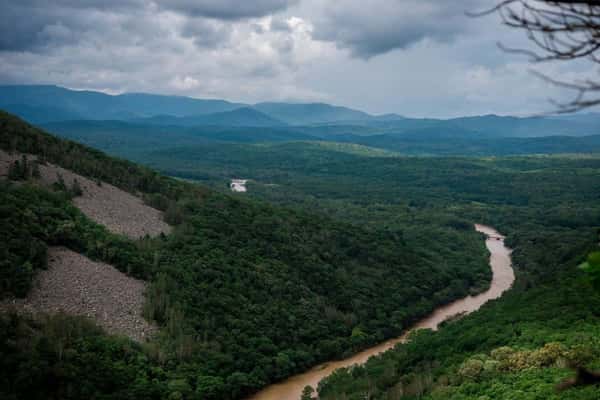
{"x": 75, "y": 285}
{"x": 119, "y": 211}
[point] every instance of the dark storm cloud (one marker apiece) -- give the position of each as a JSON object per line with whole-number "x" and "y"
{"x": 32, "y": 25}
{"x": 226, "y": 9}
{"x": 37, "y": 25}
{"x": 302, "y": 50}
{"x": 379, "y": 26}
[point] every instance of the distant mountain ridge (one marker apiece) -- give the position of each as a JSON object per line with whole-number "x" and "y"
{"x": 41, "y": 105}
{"x": 311, "y": 113}
{"x": 245, "y": 116}
{"x": 46, "y": 103}
{"x": 95, "y": 105}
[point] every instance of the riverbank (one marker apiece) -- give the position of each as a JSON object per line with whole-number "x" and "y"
{"x": 503, "y": 277}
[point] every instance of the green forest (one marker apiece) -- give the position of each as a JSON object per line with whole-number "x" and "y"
{"x": 247, "y": 293}
{"x": 334, "y": 248}
{"x": 519, "y": 347}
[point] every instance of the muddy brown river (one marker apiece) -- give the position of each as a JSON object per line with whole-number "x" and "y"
{"x": 502, "y": 280}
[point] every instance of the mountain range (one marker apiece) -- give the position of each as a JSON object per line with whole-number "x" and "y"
{"x": 136, "y": 125}
{"x": 43, "y": 104}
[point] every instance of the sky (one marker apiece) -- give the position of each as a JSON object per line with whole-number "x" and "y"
{"x": 419, "y": 58}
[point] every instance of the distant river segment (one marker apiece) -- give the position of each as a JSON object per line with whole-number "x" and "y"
{"x": 502, "y": 280}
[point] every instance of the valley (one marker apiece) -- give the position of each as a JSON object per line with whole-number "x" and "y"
{"x": 219, "y": 281}
{"x": 338, "y": 247}
{"x": 502, "y": 280}
{"x": 300, "y": 200}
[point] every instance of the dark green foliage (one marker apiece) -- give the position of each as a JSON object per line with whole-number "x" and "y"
{"x": 141, "y": 139}
{"x": 548, "y": 206}
{"x": 63, "y": 357}
{"x": 16, "y": 135}
{"x": 307, "y": 393}
{"x": 237, "y": 281}
{"x": 592, "y": 268}
{"x": 22, "y": 250}
{"x": 550, "y": 304}
{"x": 174, "y": 213}
{"x": 32, "y": 218}
{"x": 249, "y": 293}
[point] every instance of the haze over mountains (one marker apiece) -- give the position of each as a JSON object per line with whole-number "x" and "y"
{"x": 137, "y": 124}
{"x": 44, "y": 104}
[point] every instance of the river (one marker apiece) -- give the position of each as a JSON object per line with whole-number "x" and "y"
{"x": 502, "y": 280}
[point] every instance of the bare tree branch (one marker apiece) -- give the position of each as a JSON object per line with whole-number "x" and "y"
{"x": 561, "y": 31}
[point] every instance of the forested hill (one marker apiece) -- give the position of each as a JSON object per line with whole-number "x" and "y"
{"x": 525, "y": 345}
{"x": 245, "y": 293}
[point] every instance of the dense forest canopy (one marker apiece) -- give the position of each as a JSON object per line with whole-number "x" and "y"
{"x": 247, "y": 293}
{"x": 169, "y": 247}
{"x": 334, "y": 248}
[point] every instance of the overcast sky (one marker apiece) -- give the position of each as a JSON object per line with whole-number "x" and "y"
{"x": 412, "y": 57}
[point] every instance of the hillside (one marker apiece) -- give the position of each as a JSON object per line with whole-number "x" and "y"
{"x": 310, "y": 113}
{"x": 75, "y": 285}
{"x": 361, "y": 231}
{"x": 123, "y": 138}
{"x": 241, "y": 117}
{"x": 119, "y": 211}
{"x": 519, "y": 347}
{"x": 233, "y": 287}
{"x": 516, "y": 347}
{"x": 41, "y": 103}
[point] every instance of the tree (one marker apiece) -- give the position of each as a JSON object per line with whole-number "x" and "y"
{"x": 60, "y": 184}
{"x": 307, "y": 393}
{"x": 15, "y": 171}
{"x": 76, "y": 188}
{"x": 19, "y": 170}
{"x": 561, "y": 31}
{"x": 209, "y": 387}
{"x": 592, "y": 268}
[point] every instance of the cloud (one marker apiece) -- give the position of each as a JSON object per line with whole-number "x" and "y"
{"x": 33, "y": 25}
{"x": 206, "y": 33}
{"x": 142, "y": 46}
{"x": 226, "y": 9}
{"x": 379, "y": 26}
{"x": 342, "y": 52}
